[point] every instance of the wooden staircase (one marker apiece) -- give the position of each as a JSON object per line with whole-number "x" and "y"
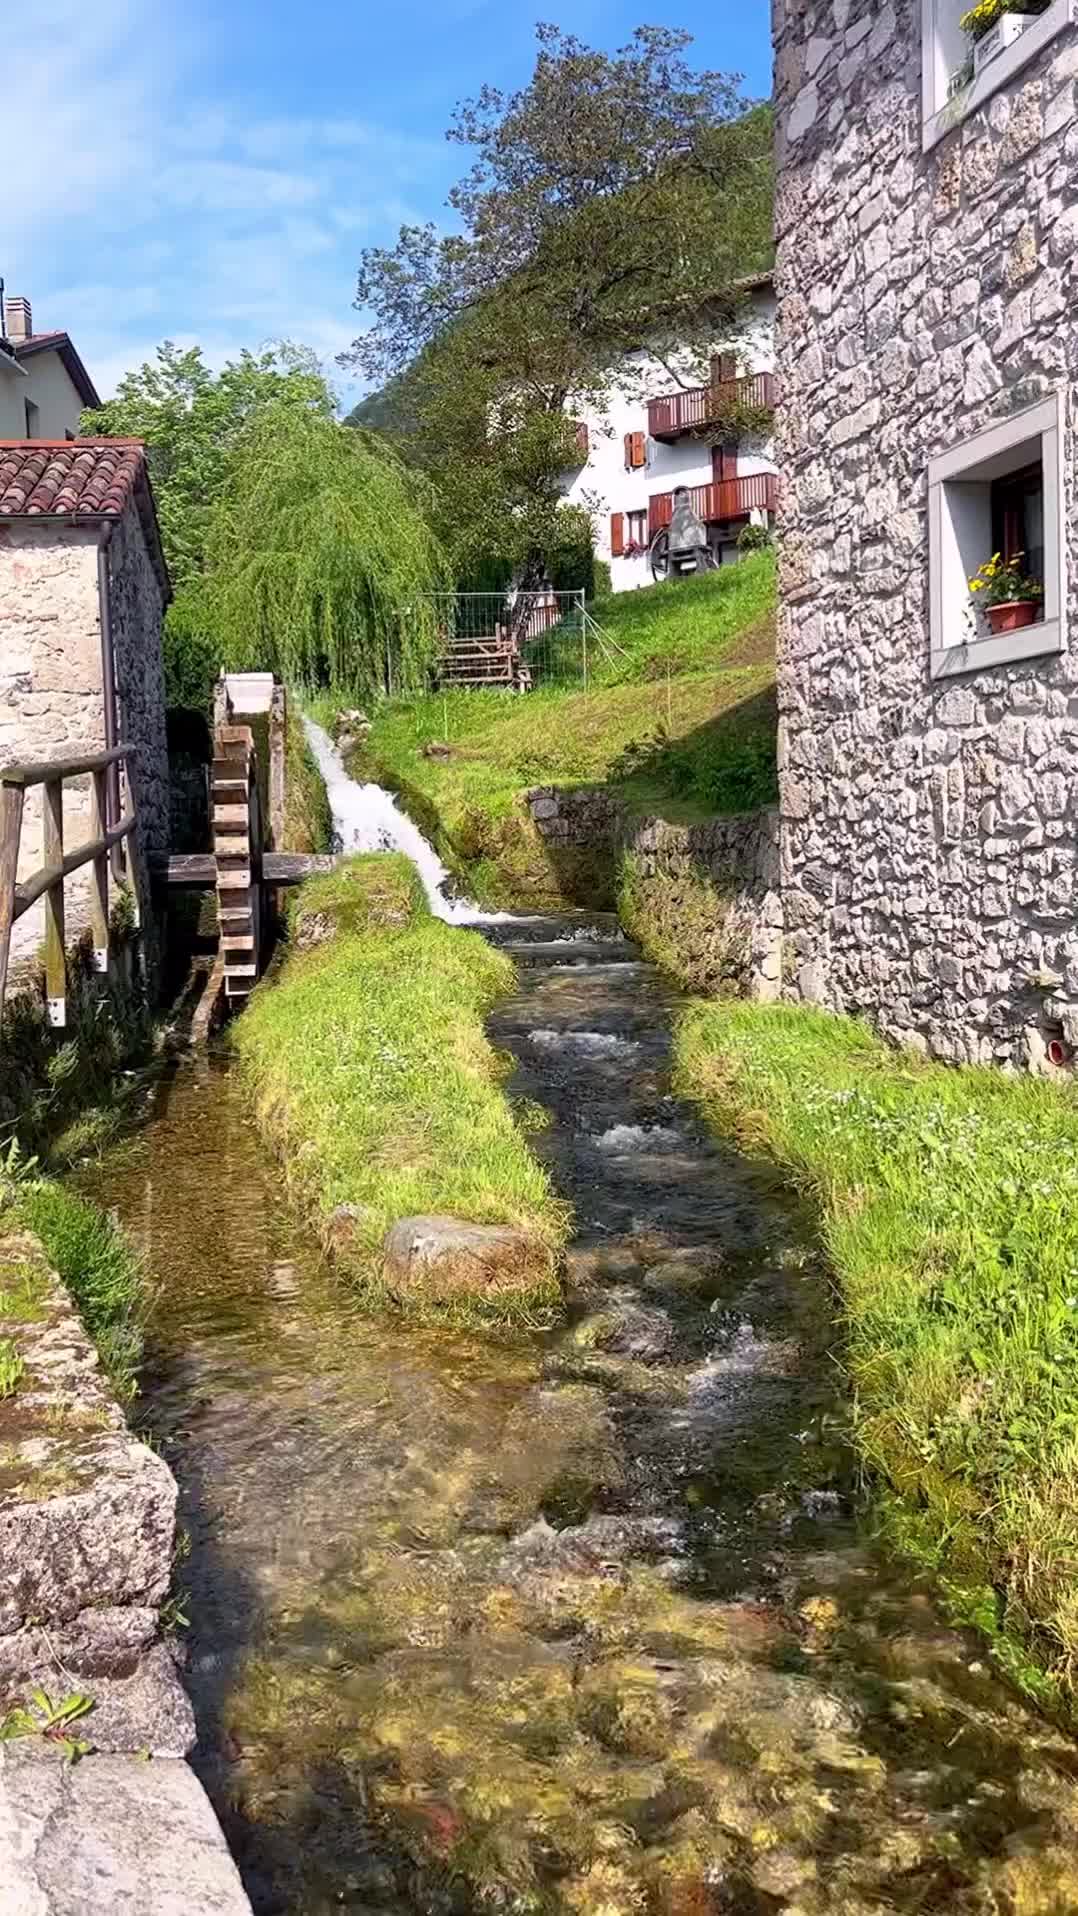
{"x": 486, "y": 660}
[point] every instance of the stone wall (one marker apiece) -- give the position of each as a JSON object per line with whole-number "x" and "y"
{"x": 137, "y": 607}
{"x": 87, "y": 1518}
{"x": 51, "y": 698}
{"x": 930, "y": 830}
{"x": 737, "y": 856}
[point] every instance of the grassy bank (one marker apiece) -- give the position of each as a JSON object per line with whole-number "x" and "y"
{"x": 308, "y": 825}
{"x": 103, "y": 1274}
{"x": 373, "y": 1077}
{"x": 947, "y": 1205}
{"x": 678, "y": 718}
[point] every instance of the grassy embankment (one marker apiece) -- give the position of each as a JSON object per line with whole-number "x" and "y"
{"x": 373, "y": 1077}
{"x": 948, "y": 1203}
{"x": 678, "y": 719}
{"x": 308, "y": 821}
{"x": 102, "y": 1273}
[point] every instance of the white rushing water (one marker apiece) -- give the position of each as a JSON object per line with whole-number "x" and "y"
{"x": 368, "y": 819}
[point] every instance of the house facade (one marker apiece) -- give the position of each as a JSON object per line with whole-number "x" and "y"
{"x": 83, "y": 590}
{"x": 927, "y": 275}
{"x": 44, "y": 385}
{"x": 663, "y": 426}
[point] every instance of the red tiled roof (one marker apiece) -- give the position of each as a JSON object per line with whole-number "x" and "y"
{"x": 88, "y": 477}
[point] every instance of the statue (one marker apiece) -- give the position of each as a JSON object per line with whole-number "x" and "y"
{"x": 688, "y": 535}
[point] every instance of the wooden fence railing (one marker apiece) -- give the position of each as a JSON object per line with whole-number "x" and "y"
{"x": 16, "y": 898}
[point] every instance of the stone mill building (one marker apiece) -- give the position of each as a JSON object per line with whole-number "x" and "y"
{"x": 927, "y": 276}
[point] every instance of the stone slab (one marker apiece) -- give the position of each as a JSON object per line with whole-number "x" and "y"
{"x": 110, "y": 1836}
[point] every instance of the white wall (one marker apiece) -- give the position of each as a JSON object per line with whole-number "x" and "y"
{"x": 604, "y": 485}
{"x": 44, "y": 380}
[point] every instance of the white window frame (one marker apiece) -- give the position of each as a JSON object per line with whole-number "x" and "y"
{"x": 956, "y": 479}
{"x": 938, "y": 114}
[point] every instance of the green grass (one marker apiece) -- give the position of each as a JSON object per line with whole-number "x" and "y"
{"x": 678, "y": 719}
{"x": 948, "y": 1203}
{"x": 308, "y": 823}
{"x": 12, "y": 1368}
{"x": 372, "y": 1074}
{"x": 102, "y": 1273}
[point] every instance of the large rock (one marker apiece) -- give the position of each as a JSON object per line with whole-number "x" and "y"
{"x": 443, "y": 1257}
{"x": 110, "y": 1836}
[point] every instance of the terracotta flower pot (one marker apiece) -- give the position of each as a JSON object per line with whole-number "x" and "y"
{"x": 1011, "y": 615}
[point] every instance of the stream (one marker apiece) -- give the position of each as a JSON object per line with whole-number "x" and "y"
{"x": 579, "y": 1622}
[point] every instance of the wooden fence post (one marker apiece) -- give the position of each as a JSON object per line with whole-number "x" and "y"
{"x": 12, "y": 798}
{"x": 52, "y": 842}
{"x": 99, "y": 889}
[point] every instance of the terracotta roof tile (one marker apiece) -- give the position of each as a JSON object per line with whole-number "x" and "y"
{"x": 92, "y": 477}
{"x": 83, "y": 479}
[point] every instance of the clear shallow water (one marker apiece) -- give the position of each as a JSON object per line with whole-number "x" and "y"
{"x": 578, "y": 1623}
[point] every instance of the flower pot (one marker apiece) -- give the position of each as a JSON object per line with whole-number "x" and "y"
{"x": 1011, "y": 615}
{"x": 1007, "y": 29}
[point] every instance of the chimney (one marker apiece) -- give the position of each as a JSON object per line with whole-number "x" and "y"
{"x": 18, "y": 320}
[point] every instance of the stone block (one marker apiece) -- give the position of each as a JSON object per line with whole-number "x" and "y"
{"x": 446, "y": 1257}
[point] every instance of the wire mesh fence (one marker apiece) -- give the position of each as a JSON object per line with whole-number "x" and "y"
{"x": 515, "y": 641}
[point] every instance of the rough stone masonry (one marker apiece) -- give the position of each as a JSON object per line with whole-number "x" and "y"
{"x": 929, "y": 830}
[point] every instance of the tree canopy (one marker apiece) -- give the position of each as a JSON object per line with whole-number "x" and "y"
{"x": 191, "y": 418}
{"x": 616, "y": 203}
{"x": 320, "y": 557}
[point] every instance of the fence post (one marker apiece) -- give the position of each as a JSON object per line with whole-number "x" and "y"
{"x": 99, "y": 872}
{"x": 11, "y": 803}
{"x": 584, "y": 635}
{"x": 52, "y": 841}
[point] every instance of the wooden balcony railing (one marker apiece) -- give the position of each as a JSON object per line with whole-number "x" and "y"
{"x": 49, "y": 880}
{"x": 704, "y": 406}
{"x": 724, "y": 499}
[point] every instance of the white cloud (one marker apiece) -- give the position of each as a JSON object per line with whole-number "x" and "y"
{"x": 178, "y": 212}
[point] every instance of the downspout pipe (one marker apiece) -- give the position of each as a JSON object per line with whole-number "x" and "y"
{"x": 108, "y": 691}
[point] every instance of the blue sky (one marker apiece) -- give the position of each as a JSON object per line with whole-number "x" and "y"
{"x": 208, "y": 172}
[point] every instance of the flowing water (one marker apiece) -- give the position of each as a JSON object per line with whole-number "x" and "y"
{"x": 578, "y": 1622}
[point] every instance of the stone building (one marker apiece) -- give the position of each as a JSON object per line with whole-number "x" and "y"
{"x": 927, "y": 277}
{"x": 83, "y": 589}
{"x": 660, "y": 427}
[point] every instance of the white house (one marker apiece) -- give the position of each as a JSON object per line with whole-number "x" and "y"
{"x": 44, "y": 385}
{"x": 660, "y": 429}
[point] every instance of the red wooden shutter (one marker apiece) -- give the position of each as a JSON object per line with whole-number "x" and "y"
{"x": 617, "y": 534}
{"x": 628, "y": 445}
{"x": 635, "y": 450}
{"x": 724, "y": 461}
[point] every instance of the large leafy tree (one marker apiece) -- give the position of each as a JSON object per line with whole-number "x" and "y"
{"x": 321, "y": 561}
{"x": 191, "y": 418}
{"x": 615, "y": 203}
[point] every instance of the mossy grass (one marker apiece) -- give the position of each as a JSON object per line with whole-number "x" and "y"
{"x": 308, "y": 823}
{"x": 948, "y": 1203}
{"x": 686, "y": 926}
{"x": 12, "y": 1368}
{"x": 678, "y": 718}
{"x": 99, "y": 1268}
{"x": 372, "y": 1074}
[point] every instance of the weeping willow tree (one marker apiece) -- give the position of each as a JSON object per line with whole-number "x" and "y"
{"x": 321, "y": 559}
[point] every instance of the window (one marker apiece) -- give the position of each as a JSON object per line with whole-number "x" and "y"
{"x": 32, "y": 415}
{"x": 958, "y": 74}
{"x": 636, "y": 525}
{"x": 1002, "y": 491}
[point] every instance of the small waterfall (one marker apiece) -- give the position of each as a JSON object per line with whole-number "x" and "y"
{"x": 368, "y": 819}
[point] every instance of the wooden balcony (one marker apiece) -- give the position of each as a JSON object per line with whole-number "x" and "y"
{"x": 705, "y": 406}
{"x": 724, "y": 499}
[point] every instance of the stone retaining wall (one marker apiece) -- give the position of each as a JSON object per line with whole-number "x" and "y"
{"x": 738, "y": 855}
{"x": 87, "y": 1521}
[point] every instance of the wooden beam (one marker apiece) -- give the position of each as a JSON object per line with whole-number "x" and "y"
{"x": 12, "y": 799}
{"x": 48, "y": 769}
{"x": 197, "y": 871}
{"x": 52, "y": 846}
{"x": 99, "y": 865}
{"x": 29, "y": 892}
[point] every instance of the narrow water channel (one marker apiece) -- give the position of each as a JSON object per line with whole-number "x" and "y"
{"x": 576, "y": 1623}
{"x": 579, "y": 1622}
